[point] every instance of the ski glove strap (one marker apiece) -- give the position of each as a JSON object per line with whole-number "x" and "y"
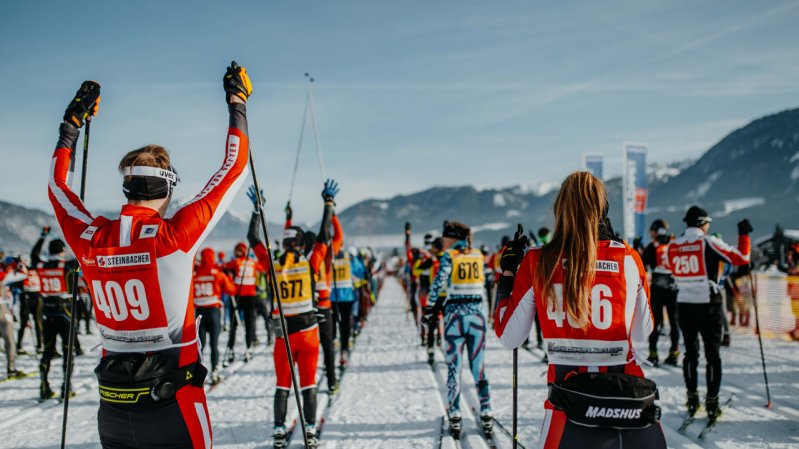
{"x": 613, "y": 400}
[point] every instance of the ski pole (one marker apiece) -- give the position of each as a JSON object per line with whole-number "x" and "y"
{"x": 316, "y": 130}
{"x": 760, "y": 338}
{"x": 73, "y": 308}
{"x": 299, "y": 145}
{"x": 515, "y": 398}
{"x": 273, "y": 281}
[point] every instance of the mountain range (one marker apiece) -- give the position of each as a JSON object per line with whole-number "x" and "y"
{"x": 753, "y": 172}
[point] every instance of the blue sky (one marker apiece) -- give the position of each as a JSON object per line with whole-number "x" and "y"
{"x": 408, "y": 94}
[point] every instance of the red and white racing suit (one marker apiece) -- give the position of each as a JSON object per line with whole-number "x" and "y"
{"x": 139, "y": 270}
{"x": 619, "y": 313}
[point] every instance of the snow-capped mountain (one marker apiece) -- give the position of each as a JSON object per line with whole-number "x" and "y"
{"x": 751, "y": 173}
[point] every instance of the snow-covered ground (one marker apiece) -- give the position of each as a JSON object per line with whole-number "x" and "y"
{"x": 390, "y": 398}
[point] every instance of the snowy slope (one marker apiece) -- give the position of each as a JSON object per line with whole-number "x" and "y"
{"x": 391, "y": 399}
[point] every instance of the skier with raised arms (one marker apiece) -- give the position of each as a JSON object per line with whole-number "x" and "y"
{"x": 591, "y": 294}
{"x": 56, "y": 275}
{"x": 460, "y": 271}
{"x": 294, "y": 274}
{"x": 139, "y": 270}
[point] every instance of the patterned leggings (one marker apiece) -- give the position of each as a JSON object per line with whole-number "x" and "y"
{"x": 465, "y": 324}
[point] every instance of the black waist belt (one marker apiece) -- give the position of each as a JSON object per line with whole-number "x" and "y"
{"x": 607, "y": 400}
{"x": 464, "y": 300}
{"x": 294, "y": 323}
{"x": 138, "y": 380}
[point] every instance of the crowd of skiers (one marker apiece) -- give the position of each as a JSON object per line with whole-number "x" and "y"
{"x": 160, "y": 302}
{"x": 590, "y": 296}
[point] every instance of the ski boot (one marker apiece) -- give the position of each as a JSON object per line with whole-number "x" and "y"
{"x": 672, "y": 359}
{"x": 230, "y": 357}
{"x": 487, "y": 422}
{"x": 310, "y": 434}
{"x": 653, "y": 358}
{"x": 15, "y": 374}
{"x": 45, "y": 392}
{"x": 431, "y": 357}
{"x": 692, "y": 403}
{"x": 64, "y": 393}
{"x": 725, "y": 340}
{"x": 455, "y": 426}
{"x": 215, "y": 377}
{"x": 344, "y": 359}
{"x": 21, "y": 351}
{"x": 280, "y": 437}
{"x": 333, "y": 388}
{"x": 247, "y": 355}
{"x": 712, "y": 407}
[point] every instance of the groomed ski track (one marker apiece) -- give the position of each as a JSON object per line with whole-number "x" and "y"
{"x": 390, "y": 398}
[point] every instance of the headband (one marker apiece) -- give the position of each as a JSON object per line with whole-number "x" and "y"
{"x": 149, "y": 183}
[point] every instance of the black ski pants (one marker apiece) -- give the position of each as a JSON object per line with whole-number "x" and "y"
{"x": 54, "y": 326}
{"x": 664, "y": 298}
{"x": 327, "y": 336}
{"x": 247, "y": 306}
{"x": 30, "y": 306}
{"x": 701, "y": 320}
{"x": 210, "y": 325}
{"x": 344, "y": 319}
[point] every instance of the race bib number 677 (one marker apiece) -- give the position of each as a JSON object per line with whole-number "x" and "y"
{"x": 118, "y": 302}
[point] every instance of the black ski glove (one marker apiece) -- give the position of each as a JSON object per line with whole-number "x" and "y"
{"x": 289, "y": 212}
{"x": 744, "y": 227}
{"x": 84, "y": 104}
{"x": 514, "y": 251}
{"x": 237, "y": 82}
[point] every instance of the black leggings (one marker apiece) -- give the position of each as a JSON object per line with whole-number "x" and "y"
{"x": 667, "y": 298}
{"x": 210, "y": 324}
{"x": 54, "y": 326}
{"x": 327, "y": 335}
{"x": 247, "y": 305}
{"x": 701, "y": 320}
{"x": 344, "y": 318}
{"x": 575, "y": 436}
{"x": 31, "y": 305}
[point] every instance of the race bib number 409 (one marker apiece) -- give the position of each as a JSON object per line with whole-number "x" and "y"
{"x": 118, "y": 302}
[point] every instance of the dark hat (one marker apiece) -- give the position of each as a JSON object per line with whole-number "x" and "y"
{"x": 293, "y": 236}
{"x": 660, "y": 226}
{"x": 56, "y": 246}
{"x": 542, "y": 232}
{"x": 428, "y": 239}
{"x": 455, "y": 230}
{"x": 696, "y": 216}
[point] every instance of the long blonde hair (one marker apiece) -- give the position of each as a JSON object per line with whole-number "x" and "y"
{"x": 580, "y": 206}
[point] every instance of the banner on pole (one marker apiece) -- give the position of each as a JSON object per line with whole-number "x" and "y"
{"x": 592, "y": 162}
{"x": 635, "y": 190}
